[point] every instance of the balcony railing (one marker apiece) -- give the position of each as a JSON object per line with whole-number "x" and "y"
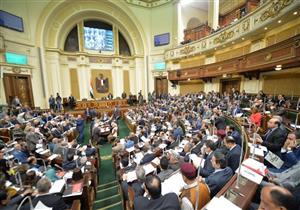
{"x": 247, "y": 25}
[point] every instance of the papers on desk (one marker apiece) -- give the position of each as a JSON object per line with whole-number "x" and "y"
{"x": 173, "y": 184}
{"x": 197, "y": 160}
{"x": 156, "y": 161}
{"x": 144, "y": 139}
{"x": 131, "y": 149}
{"x": 162, "y": 146}
{"x": 246, "y": 109}
{"x": 259, "y": 150}
{"x": 221, "y": 203}
{"x": 214, "y": 138}
{"x": 253, "y": 170}
{"x": 149, "y": 168}
{"x": 138, "y": 157}
{"x": 130, "y": 176}
{"x": 52, "y": 157}
{"x": 57, "y": 186}
{"x": 274, "y": 160}
{"x": 293, "y": 126}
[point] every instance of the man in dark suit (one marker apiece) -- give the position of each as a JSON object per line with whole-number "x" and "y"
{"x": 233, "y": 154}
{"x": 53, "y": 201}
{"x": 157, "y": 201}
{"x": 231, "y": 131}
{"x": 274, "y": 138}
{"x": 208, "y": 168}
{"x": 222, "y": 174}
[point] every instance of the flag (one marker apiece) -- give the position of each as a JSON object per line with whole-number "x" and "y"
{"x": 91, "y": 89}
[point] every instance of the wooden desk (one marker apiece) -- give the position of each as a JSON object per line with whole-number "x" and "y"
{"x": 100, "y": 104}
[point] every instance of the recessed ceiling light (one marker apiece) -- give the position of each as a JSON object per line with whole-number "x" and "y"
{"x": 266, "y": 28}
{"x": 279, "y": 21}
{"x": 278, "y": 68}
{"x": 189, "y": 79}
{"x": 243, "y": 38}
{"x": 295, "y": 13}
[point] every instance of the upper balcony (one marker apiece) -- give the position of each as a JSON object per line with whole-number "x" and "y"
{"x": 250, "y": 25}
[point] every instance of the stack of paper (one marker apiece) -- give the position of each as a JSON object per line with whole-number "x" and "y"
{"x": 221, "y": 203}
{"x": 149, "y": 168}
{"x": 57, "y": 186}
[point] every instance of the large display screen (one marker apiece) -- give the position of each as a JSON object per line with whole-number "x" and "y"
{"x": 162, "y": 39}
{"x": 14, "y": 58}
{"x": 98, "y": 39}
{"x": 11, "y": 21}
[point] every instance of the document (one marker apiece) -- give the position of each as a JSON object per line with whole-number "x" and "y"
{"x": 221, "y": 203}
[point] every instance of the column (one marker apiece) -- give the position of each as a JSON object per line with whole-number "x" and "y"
{"x": 140, "y": 76}
{"x": 213, "y": 14}
{"x": 83, "y": 77}
{"x": 117, "y": 75}
{"x": 53, "y": 69}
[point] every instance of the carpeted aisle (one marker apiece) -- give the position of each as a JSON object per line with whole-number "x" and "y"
{"x": 108, "y": 196}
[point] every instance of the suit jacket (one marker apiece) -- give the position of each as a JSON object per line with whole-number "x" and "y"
{"x": 217, "y": 180}
{"x": 233, "y": 157}
{"x": 207, "y": 168}
{"x": 164, "y": 174}
{"x": 53, "y": 201}
{"x": 237, "y": 137}
{"x": 291, "y": 158}
{"x": 165, "y": 202}
{"x": 275, "y": 140}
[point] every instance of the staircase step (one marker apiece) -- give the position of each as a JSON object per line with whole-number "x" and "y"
{"x": 115, "y": 206}
{"x": 107, "y": 201}
{"x": 101, "y": 194}
{"x": 107, "y": 185}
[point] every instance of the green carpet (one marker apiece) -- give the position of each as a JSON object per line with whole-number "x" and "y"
{"x": 108, "y": 195}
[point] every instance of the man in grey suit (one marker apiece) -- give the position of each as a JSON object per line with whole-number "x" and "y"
{"x": 165, "y": 172}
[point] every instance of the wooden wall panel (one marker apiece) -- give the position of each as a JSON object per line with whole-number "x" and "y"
{"x": 74, "y": 83}
{"x": 284, "y": 84}
{"x": 126, "y": 82}
{"x": 191, "y": 87}
{"x": 192, "y": 62}
{"x": 106, "y": 74}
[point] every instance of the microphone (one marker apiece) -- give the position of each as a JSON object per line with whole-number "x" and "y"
{"x": 241, "y": 158}
{"x": 30, "y": 203}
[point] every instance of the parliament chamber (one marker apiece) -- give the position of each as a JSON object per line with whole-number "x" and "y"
{"x": 150, "y": 104}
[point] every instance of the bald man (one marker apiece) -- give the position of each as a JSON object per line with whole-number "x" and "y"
{"x": 277, "y": 198}
{"x": 274, "y": 138}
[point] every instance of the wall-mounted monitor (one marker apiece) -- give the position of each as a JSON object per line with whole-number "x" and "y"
{"x": 14, "y": 58}
{"x": 11, "y": 21}
{"x": 161, "y": 39}
{"x": 98, "y": 39}
{"x": 159, "y": 66}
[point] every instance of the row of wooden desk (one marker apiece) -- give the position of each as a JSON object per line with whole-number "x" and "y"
{"x": 100, "y": 104}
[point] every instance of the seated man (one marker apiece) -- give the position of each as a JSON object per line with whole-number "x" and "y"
{"x": 53, "y": 201}
{"x": 274, "y": 138}
{"x": 233, "y": 154}
{"x": 156, "y": 201}
{"x": 207, "y": 168}
{"x": 70, "y": 163}
{"x": 220, "y": 176}
{"x": 231, "y": 131}
{"x": 275, "y": 197}
{"x": 20, "y": 155}
{"x": 165, "y": 171}
{"x": 290, "y": 152}
{"x": 189, "y": 193}
{"x": 137, "y": 184}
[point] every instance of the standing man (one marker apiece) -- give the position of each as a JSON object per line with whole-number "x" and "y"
{"x": 52, "y": 102}
{"x": 72, "y": 101}
{"x": 16, "y": 102}
{"x": 80, "y": 129}
{"x": 58, "y": 102}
